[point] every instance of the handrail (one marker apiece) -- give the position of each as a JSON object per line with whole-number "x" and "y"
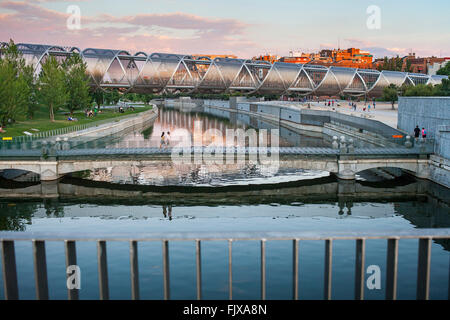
{"x": 437, "y": 233}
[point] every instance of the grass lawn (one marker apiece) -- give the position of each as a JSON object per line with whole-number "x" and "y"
{"x": 41, "y": 121}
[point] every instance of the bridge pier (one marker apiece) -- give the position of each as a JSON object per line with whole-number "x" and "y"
{"x": 423, "y": 169}
{"x": 49, "y": 171}
{"x": 347, "y": 169}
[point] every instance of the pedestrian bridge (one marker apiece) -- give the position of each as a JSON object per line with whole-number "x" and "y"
{"x": 173, "y": 73}
{"x": 52, "y": 164}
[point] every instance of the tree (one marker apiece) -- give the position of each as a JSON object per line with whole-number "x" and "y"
{"x": 147, "y": 97}
{"x": 98, "y": 96}
{"x": 77, "y": 83}
{"x": 33, "y": 104}
{"x": 52, "y": 86}
{"x": 445, "y": 70}
{"x": 420, "y": 90}
{"x": 14, "y": 89}
{"x": 390, "y": 93}
{"x": 443, "y": 89}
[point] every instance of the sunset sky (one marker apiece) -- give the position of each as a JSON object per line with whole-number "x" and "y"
{"x": 243, "y": 28}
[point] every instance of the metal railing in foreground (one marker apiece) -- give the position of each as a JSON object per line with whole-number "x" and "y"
{"x": 424, "y": 236}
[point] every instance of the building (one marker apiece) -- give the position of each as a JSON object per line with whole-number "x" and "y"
{"x": 414, "y": 64}
{"x": 433, "y": 67}
{"x": 349, "y": 58}
{"x": 267, "y": 57}
{"x": 213, "y": 56}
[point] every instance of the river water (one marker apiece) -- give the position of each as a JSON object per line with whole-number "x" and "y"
{"x": 290, "y": 200}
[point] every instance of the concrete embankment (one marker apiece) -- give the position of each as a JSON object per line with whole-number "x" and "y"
{"x": 310, "y": 121}
{"x": 114, "y": 127}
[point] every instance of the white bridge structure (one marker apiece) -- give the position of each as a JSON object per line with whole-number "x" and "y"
{"x": 174, "y": 73}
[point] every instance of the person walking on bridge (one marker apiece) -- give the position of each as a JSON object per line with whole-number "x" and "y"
{"x": 416, "y": 132}
{"x": 163, "y": 141}
{"x": 424, "y": 133}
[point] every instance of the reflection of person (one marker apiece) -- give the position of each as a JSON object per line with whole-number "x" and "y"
{"x": 169, "y": 208}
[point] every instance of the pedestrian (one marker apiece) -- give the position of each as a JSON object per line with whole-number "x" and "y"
{"x": 163, "y": 140}
{"x": 168, "y": 138}
{"x": 416, "y": 132}
{"x": 368, "y": 107}
{"x": 373, "y": 104}
{"x": 424, "y": 133}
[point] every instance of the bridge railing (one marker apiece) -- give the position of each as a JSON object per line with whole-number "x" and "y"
{"x": 424, "y": 237}
{"x": 98, "y": 148}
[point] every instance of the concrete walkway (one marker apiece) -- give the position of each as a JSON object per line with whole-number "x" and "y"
{"x": 382, "y": 113}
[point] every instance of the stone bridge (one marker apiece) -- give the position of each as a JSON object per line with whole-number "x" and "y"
{"x": 344, "y": 163}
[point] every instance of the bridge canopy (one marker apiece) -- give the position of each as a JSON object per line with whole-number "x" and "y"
{"x": 165, "y": 72}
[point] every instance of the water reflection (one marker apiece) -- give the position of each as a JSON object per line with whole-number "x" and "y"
{"x": 167, "y": 211}
{"x": 418, "y": 202}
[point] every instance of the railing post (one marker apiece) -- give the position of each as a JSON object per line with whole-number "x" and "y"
{"x": 423, "y": 269}
{"x": 198, "y": 255}
{"x": 166, "y": 271}
{"x": 71, "y": 260}
{"x": 328, "y": 268}
{"x": 102, "y": 270}
{"x": 263, "y": 269}
{"x": 230, "y": 269}
{"x": 9, "y": 270}
{"x": 134, "y": 265}
{"x": 391, "y": 271}
{"x": 295, "y": 268}
{"x": 40, "y": 270}
{"x": 359, "y": 268}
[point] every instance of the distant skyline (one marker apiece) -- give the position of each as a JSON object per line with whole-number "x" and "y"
{"x": 242, "y": 28}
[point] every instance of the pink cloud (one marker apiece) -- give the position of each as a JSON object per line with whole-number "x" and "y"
{"x": 32, "y": 23}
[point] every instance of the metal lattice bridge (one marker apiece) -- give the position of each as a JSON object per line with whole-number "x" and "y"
{"x": 173, "y": 73}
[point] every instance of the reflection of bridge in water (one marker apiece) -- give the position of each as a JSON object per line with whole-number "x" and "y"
{"x": 414, "y": 200}
{"x": 162, "y": 72}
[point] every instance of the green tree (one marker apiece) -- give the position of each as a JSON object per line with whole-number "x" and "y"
{"x": 33, "y": 104}
{"x": 408, "y": 65}
{"x": 98, "y": 96}
{"x": 443, "y": 89}
{"x": 390, "y": 93}
{"x": 77, "y": 83}
{"x": 52, "y": 86}
{"x": 420, "y": 90}
{"x": 445, "y": 70}
{"x": 14, "y": 89}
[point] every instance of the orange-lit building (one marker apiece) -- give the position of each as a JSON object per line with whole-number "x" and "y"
{"x": 300, "y": 60}
{"x": 213, "y": 56}
{"x": 268, "y": 57}
{"x": 350, "y": 58}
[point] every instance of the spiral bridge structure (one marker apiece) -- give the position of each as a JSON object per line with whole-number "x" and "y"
{"x": 172, "y": 73}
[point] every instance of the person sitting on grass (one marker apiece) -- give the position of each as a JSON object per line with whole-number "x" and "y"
{"x": 1, "y": 129}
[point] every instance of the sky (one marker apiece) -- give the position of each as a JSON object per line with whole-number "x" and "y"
{"x": 239, "y": 27}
